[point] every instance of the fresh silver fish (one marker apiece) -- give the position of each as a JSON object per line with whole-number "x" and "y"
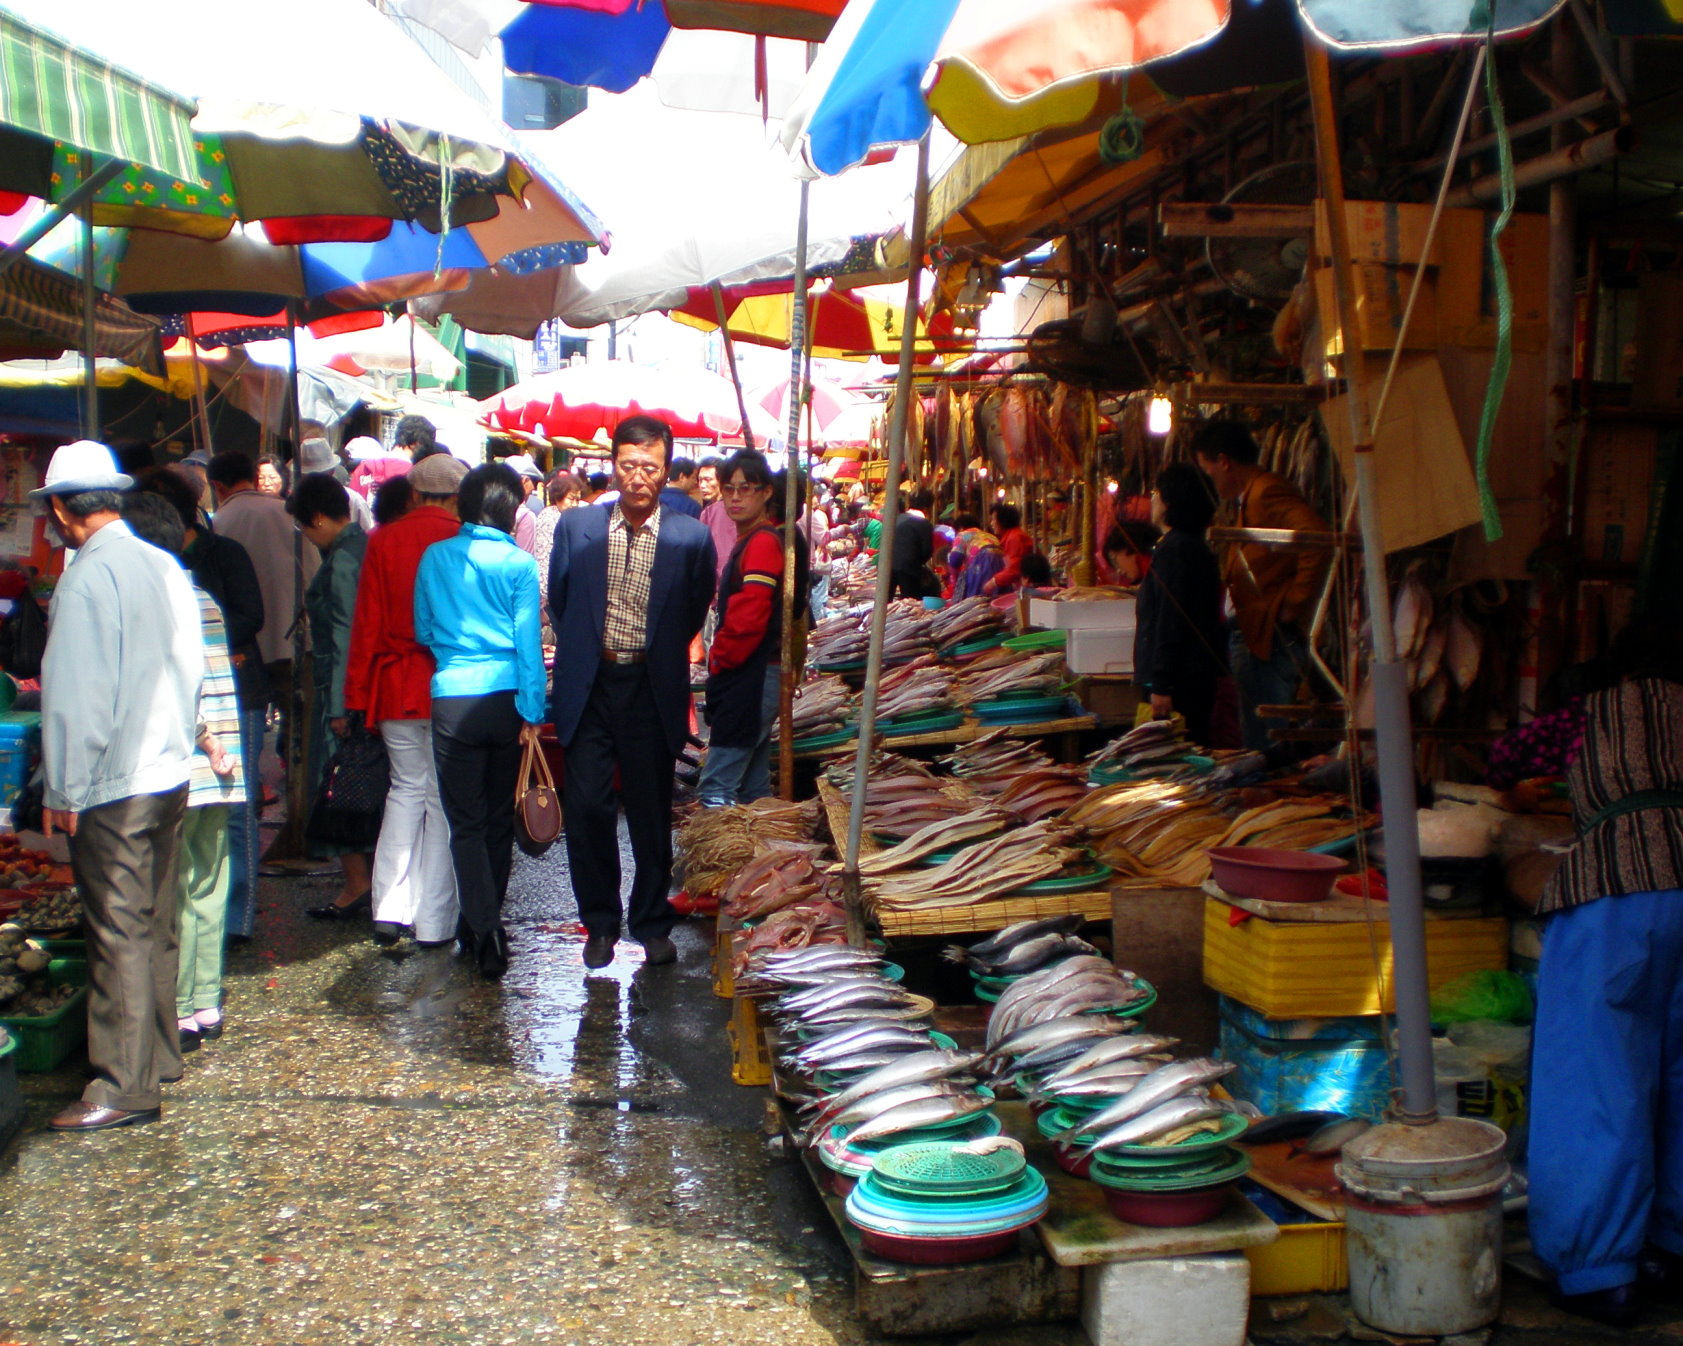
{"x": 1160, "y": 1121}
{"x": 1110, "y": 1081}
{"x": 857, "y": 1038}
{"x": 1030, "y": 955}
{"x": 1020, "y": 931}
{"x": 1121, "y": 1047}
{"x": 1048, "y": 1059}
{"x": 848, "y": 1015}
{"x": 911, "y": 1116}
{"x": 914, "y": 1069}
{"x": 1164, "y": 1083}
{"x": 870, "y": 1059}
{"x": 836, "y": 994}
{"x": 867, "y": 1108}
{"x": 1070, "y": 1028}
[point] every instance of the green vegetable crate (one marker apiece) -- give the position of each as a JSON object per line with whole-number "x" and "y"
{"x": 45, "y": 1041}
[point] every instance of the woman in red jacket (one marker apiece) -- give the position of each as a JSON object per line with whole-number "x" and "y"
{"x": 389, "y": 684}
{"x": 1014, "y": 545}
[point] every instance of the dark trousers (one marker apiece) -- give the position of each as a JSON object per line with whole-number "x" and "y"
{"x": 124, "y": 858}
{"x": 476, "y": 747}
{"x": 620, "y": 727}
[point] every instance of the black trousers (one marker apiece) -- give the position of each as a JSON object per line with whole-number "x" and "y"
{"x": 476, "y": 745}
{"x": 620, "y": 727}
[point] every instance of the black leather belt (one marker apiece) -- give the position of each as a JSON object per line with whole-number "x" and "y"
{"x": 625, "y": 657}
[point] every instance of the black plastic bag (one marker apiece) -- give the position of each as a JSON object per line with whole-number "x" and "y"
{"x": 23, "y": 638}
{"x": 352, "y": 799}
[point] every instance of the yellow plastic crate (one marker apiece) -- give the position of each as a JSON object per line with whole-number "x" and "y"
{"x": 724, "y": 975}
{"x": 1306, "y": 1259}
{"x": 750, "y": 1058}
{"x": 1317, "y": 970}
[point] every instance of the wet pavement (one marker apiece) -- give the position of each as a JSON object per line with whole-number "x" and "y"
{"x": 384, "y": 1148}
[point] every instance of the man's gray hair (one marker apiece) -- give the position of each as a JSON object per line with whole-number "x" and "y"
{"x": 84, "y": 504}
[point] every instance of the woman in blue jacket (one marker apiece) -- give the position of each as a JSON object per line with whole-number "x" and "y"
{"x": 476, "y": 609}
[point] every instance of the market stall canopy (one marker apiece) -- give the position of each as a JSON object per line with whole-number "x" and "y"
{"x": 52, "y": 89}
{"x": 41, "y": 315}
{"x": 992, "y": 71}
{"x": 578, "y": 401}
{"x": 696, "y": 198}
{"x": 318, "y": 117}
{"x": 841, "y": 324}
{"x": 611, "y": 44}
{"x": 827, "y": 401}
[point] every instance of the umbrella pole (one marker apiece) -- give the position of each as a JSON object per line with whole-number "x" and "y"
{"x": 791, "y": 508}
{"x": 1390, "y": 679}
{"x": 852, "y": 894}
{"x": 90, "y": 389}
{"x": 730, "y": 359}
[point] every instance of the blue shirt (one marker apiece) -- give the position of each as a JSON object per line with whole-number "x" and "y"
{"x": 679, "y": 502}
{"x": 476, "y": 609}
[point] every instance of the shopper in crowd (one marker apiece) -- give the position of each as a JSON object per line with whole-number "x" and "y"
{"x": 914, "y": 548}
{"x": 818, "y": 528}
{"x": 526, "y": 522}
{"x": 476, "y": 609}
{"x": 720, "y": 527}
{"x": 678, "y": 495}
{"x": 392, "y": 500}
{"x": 323, "y": 510}
{"x": 707, "y": 481}
{"x": 215, "y": 791}
{"x": 1180, "y": 644}
{"x": 262, "y": 525}
{"x": 563, "y": 492}
{"x": 744, "y": 663}
{"x": 1125, "y": 557}
{"x": 317, "y": 455}
{"x": 629, "y": 588}
{"x": 388, "y": 682}
{"x": 221, "y": 567}
{"x": 1272, "y": 589}
{"x": 375, "y": 465}
{"x": 119, "y": 713}
{"x": 417, "y": 436}
{"x": 596, "y": 486}
{"x": 1014, "y": 544}
{"x": 271, "y": 476}
{"x": 1606, "y": 1148}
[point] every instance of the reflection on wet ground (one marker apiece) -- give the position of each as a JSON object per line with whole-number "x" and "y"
{"x": 384, "y": 1149}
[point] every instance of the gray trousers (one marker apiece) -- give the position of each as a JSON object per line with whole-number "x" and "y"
{"x": 124, "y": 856}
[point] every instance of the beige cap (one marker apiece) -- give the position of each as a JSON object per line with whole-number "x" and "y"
{"x": 438, "y": 474}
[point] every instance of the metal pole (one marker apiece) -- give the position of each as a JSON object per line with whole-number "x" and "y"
{"x": 885, "y": 552}
{"x": 90, "y": 390}
{"x": 60, "y": 212}
{"x": 1390, "y": 677}
{"x": 730, "y": 358}
{"x": 791, "y": 533}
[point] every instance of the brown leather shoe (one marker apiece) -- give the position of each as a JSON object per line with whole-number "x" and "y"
{"x": 84, "y": 1116}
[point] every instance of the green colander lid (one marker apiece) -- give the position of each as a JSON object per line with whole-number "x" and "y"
{"x": 947, "y": 1170}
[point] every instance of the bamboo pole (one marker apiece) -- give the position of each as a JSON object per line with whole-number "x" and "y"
{"x": 730, "y": 359}
{"x": 791, "y": 533}
{"x": 1390, "y": 679}
{"x": 852, "y": 895}
{"x": 90, "y": 390}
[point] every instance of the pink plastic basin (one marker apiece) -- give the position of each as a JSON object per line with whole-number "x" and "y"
{"x": 1265, "y": 874}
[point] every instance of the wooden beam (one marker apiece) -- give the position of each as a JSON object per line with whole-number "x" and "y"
{"x": 1196, "y": 219}
{"x": 1249, "y": 394}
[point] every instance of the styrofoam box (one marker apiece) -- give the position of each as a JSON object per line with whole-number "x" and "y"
{"x": 1108, "y": 613}
{"x": 1100, "y": 651}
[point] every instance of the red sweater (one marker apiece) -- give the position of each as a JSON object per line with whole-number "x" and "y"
{"x": 1014, "y": 544}
{"x": 748, "y": 612}
{"x": 390, "y": 674}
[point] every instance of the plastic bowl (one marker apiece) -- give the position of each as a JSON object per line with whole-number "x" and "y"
{"x": 1266, "y": 874}
{"x": 938, "y": 1251}
{"x": 1168, "y": 1210}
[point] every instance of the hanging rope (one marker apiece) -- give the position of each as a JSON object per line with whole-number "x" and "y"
{"x": 1122, "y": 138}
{"x": 1504, "y": 295}
{"x": 446, "y": 193}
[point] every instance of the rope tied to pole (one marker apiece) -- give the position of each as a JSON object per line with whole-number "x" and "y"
{"x": 1504, "y": 293}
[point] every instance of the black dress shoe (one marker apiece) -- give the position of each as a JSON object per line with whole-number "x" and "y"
{"x": 659, "y": 951}
{"x": 189, "y": 1040}
{"x": 387, "y": 933}
{"x": 599, "y": 950}
{"x": 1659, "y": 1275}
{"x": 333, "y": 911}
{"x": 491, "y": 952}
{"x": 1617, "y": 1307}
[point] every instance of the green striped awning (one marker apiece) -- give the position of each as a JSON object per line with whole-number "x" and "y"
{"x": 51, "y": 88}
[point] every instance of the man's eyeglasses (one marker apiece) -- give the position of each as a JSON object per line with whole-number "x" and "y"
{"x": 639, "y": 469}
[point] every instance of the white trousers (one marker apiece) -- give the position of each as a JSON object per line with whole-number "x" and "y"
{"x": 414, "y": 881}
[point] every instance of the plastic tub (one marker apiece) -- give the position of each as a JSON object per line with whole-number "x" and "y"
{"x": 1168, "y": 1210}
{"x": 938, "y": 1251}
{"x": 1266, "y": 874}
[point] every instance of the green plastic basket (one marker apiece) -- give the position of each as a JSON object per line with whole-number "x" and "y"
{"x": 946, "y": 1170}
{"x": 45, "y": 1040}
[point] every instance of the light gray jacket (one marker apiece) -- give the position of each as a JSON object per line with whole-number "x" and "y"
{"x": 121, "y": 676}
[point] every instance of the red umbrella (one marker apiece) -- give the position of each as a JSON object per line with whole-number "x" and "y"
{"x": 579, "y": 401}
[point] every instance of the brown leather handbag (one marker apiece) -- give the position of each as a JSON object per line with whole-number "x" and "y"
{"x": 537, "y": 806}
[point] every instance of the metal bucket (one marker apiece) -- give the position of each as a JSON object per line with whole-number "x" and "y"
{"x": 1423, "y": 1216}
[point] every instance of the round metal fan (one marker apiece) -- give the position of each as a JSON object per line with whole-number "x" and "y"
{"x": 1266, "y": 269}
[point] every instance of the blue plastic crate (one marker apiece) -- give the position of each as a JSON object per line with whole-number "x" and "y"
{"x": 1284, "y": 1065}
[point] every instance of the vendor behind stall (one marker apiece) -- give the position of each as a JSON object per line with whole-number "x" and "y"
{"x": 1014, "y": 545}
{"x": 1272, "y": 589}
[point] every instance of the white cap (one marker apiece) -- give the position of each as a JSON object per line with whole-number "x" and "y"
{"x": 86, "y": 465}
{"x": 524, "y": 464}
{"x": 364, "y": 447}
{"x": 316, "y": 455}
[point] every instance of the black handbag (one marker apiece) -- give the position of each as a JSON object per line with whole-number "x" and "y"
{"x": 352, "y": 799}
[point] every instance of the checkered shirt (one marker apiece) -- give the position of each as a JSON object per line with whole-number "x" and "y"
{"x": 630, "y": 569}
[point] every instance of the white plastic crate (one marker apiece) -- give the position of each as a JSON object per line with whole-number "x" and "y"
{"x": 1101, "y": 613}
{"x": 1100, "y": 652}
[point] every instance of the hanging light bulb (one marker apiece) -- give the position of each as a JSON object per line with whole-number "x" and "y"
{"x": 1113, "y": 486}
{"x": 1160, "y": 418}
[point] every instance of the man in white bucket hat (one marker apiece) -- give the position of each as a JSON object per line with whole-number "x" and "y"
{"x": 119, "y": 714}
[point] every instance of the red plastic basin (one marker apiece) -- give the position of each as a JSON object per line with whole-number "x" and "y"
{"x": 1265, "y": 874}
{"x": 938, "y": 1251}
{"x": 1168, "y": 1210}
{"x": 1076, "y": 1165}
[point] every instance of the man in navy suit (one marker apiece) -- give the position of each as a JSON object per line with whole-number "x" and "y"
{"x": 629, "y": 588}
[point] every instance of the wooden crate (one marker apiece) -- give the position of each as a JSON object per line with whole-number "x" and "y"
{"x": 750, "y": 1056}
{"x": 980, "y": 917}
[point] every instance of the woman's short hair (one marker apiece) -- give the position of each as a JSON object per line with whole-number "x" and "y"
{"x": 318, "y": 495}
{"x": 1187, "y": 502}
{"x": 1009, "y": 516}
{"x": 392, "y": 499}
{"x": 169, "y": 484}
{"x": 490, "y": 496}
{"x": 562, "y": 485}
{"x": 751, "y": 463}
{"x": 154, "y": 519}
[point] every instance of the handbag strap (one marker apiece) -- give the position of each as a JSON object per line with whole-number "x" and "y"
{"x": 534, "y": 767}
{"x": 523, "y": 782}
